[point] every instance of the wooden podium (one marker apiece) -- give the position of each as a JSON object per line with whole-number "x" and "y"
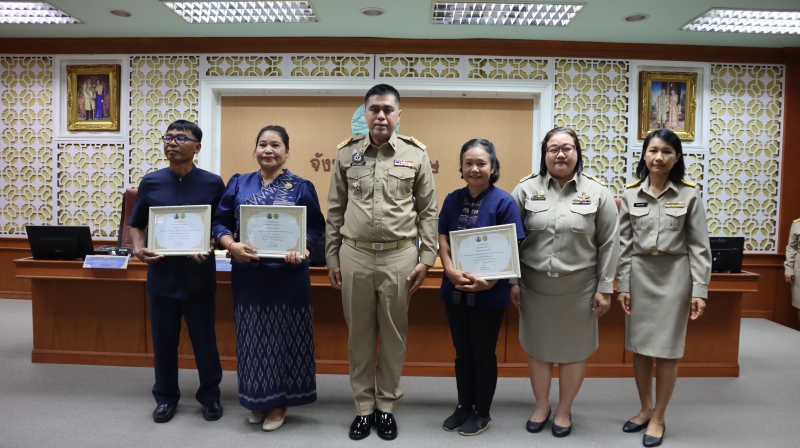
{"x": 101, "y": 317}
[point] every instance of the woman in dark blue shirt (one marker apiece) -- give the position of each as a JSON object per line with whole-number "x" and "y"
{"x": 271, "y": 297}
{"x": 474, "y": 306}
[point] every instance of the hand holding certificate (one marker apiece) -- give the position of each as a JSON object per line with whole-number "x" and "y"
{"x": 487, "y": 252}
{"x": 273, "y": 230}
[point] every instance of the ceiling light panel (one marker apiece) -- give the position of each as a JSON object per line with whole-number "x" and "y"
{"x": 33, "y": 13}
{"x": 746, "y": 21}
{"x": 243, "y": 12}
{"x": 511, "y": 14}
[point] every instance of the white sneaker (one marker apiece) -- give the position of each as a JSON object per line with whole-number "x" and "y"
{"x": 256, "y": 417}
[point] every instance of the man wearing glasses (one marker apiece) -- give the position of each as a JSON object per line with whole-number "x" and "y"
{"x": 180, "y": 286}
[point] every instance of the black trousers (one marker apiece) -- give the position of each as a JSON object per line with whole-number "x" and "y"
{"x": 200, "y": 315}
{"x": 474, "y": 331}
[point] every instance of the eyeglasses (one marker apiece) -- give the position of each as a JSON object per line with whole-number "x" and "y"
{"x": 555, "y": 149}
{"x": 179, "y": 139}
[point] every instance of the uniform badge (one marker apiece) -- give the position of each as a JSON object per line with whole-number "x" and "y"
{"x": 358, "y": 159}
{"x": 583, "y": 199}
{"x": 640, "y": 204}
{"x": 287, "y": 186}
{"x": 404, "y": 163}
{"x": 679, "y": 204}
{"x": 356, "y": 185}
{"x": 537, "y": 196}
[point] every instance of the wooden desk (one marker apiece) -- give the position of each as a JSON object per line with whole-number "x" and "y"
{"x": 101, "y": 317}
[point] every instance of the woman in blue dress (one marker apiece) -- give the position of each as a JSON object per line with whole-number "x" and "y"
{"x": 272, "y": 297}
{"x": 474, "y": 306}
{"x": 99, "y": 99}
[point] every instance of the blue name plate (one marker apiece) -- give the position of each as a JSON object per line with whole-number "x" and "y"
{"x": 105, "y": 262}
{"x": 223, "y": 264}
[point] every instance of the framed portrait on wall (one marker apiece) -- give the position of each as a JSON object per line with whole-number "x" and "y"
{"x": 668, "y": 100}
{"x": 93, "y": 97}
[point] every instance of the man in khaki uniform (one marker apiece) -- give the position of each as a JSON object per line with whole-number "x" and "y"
{"x": 791, "y": 266}
{"x": 382, "y": 196}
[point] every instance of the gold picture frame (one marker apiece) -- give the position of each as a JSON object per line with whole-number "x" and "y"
{"x": 93, "y": 97}
{"x": 668, "y": 100}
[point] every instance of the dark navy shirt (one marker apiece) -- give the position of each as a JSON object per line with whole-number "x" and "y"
{"x": 461, "y": 211}
{"x": 178, "y": 277}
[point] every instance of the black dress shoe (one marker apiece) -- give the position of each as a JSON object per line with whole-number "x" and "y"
{"x": 630, "y": 426}
{"x": 535, "y": 427}
{"x": 212, "y": 411}
{"x": 387, "y": 426}
{"x": 164, "y": 412}
{"x": 359, "y": 429}
{"x": 475, "y": 425}
{"x": 648, "y": 440}
{"x": 458, "y": 418}
{"x": 561, "y": 431}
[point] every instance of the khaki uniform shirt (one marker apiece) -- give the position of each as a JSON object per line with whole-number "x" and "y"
{"x": 674, "y": 223}
{"x": 791, "y": 248}
{"x": 387, "y": 196}
{"x": 569, "y": 229}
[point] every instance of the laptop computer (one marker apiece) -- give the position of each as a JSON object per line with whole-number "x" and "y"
{"x": 60, "y": 242}
{"x": 727, "y": 253}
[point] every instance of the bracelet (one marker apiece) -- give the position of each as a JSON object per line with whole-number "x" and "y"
{"x": 229, "y": 245}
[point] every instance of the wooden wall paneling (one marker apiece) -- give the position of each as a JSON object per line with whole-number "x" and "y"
{"x": 317, "y": 45}
{"x": 442, "y": 124}
{"x": 11, "y": 287}
{"x": 761, "y": 304}
{"x": 87, "y": 316}
{"x": 330, "y": 331}
{"x": 715, "y": 339}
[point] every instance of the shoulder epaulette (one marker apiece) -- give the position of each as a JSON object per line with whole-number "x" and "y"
{"x": 595, "y": 179}
{"x": 352, "y": 138}
{"x": 796, "y": 220}
{"x": 529, "y": 176}
{"x": 686, "y": 182}
{"x": 413, "y": 140}
{"x": 633, "y": 184}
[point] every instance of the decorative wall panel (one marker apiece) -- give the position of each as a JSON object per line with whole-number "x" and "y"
{"x": 506, "y": 68}
{"x": 244, "y": 66}
{"x": 90, "y": 185}
{"x": 592, "y": 98}
{"x": 744, "y": 157}
{"x": 163, "y": 89}
{"x": 334, "y": 66}
{"x": 26, "y": 130}
{"x": 419, "y": 67}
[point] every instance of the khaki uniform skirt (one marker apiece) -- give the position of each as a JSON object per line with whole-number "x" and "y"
{"x": 556, "y": 322}
{"x": 661, "y": 300}
{"x": 796, "y": 285}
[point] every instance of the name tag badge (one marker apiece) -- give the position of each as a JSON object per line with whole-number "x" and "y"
{"x": 404, "y": 163}
{"x": 640, "y": 204}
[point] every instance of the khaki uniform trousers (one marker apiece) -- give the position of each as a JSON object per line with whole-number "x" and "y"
{"x": 375, "y": 299}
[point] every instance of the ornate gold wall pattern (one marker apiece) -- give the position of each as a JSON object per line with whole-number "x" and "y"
{"x": 163, "y": 89}
{"x": 336, "y": 66}
{"x": 508, "y": 68}
{"x": 592, "y": 98}
{"x": 744, "y": 154}
{"x": 26, "y": 193}
{"x": 244, "y": 66}
{"x": 90, "y": 186}
{"x": 419, "y": 67}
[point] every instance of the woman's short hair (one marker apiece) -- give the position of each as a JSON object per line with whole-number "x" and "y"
{"x": 678, "y": 170}
{"x": 275, "y": 128}
{"x": 548, "y": 136}
{"x": 487, "y": 146}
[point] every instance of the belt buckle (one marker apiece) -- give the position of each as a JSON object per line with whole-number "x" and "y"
{"x": 655, "y": 253}
{"x": 552, "y": 274}
{"x": 377, "y": 246}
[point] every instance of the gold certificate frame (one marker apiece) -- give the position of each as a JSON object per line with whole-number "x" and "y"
{"x": 668, "y": 100}
{"x": 274, "y": 230}
{"x": 93, "y": 97}
{"x": 180, "y": 230}
{"x": 488, "y": 252}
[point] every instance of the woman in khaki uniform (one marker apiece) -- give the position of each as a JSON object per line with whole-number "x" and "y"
{"x": 663, "y": 273}
{"x": 791, "y": 266}
{"x": 568, "y": 260}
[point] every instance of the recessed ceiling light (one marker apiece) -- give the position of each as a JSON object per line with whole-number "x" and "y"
{"x": 530, "y": 14}
{"x": 372, "y": 12}
{"x": 243, "y": 12}
{"x": 120, "y": 12}
{"x": 637, "y": 17}
{"x": 34, "y": 13}
{"x": 746, "y": 21}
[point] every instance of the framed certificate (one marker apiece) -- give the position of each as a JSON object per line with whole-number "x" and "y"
{"x": 275, "y": 230}
{"x": 488, "y": 252}
{"x": 180, "y": 230}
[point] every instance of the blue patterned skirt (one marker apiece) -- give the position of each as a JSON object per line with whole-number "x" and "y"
{"x": 274, "y": 334}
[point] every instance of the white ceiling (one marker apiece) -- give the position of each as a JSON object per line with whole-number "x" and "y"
{"x": 599, "y": 21}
